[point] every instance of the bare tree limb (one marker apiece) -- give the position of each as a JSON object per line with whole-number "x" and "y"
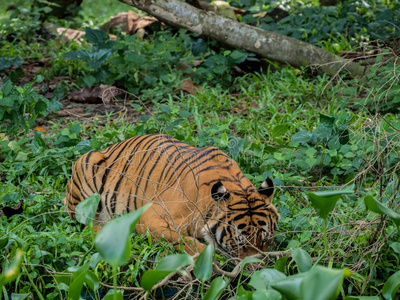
{"x": 267, "y": 44}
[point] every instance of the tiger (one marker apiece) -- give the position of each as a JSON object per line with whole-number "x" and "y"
{"x": 197, "y": 194}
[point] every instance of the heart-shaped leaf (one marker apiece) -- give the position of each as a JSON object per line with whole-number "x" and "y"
{"x": 324, "y": 202}
{"x": 166, "y": 266}
{"x": 262, "y": 279}
{"x": 203, "y": 267}
{"x": 216, "y": 288}
{"x": 391, "y": 286}
{"x": 302, "y": 259}
{"x": 113, "y": 241}
{"x": 379, "y": 208}
{"x": 85, "y": 211}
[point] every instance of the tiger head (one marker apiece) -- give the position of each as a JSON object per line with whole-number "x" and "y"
{"x": 242, "y": 222}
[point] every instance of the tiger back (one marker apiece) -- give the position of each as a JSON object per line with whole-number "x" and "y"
{"x": 197, "y": 193}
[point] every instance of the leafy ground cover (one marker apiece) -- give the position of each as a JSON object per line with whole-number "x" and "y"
{"x": 330, "y": 144}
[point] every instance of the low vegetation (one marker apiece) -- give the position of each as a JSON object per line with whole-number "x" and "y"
{"x": 331, "y": 145}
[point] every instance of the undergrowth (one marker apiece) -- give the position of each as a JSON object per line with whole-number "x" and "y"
{"x": 310, "y": 133}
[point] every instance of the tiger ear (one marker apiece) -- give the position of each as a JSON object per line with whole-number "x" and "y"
{"x": 267, "y": 188}
{"x": 219, "y": 192}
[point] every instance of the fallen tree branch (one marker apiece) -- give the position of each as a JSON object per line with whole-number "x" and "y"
{"x": 266, "y": 44}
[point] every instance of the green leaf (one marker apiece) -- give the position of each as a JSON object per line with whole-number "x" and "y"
{"x": 391, "y": 286}
{"x": 302, "y": 259}
{"x": 379, "y": 208}
{"x": 324, "y": 202}
{"x": 3, "y": 242}
{"x": 174, "y": 262}
{"x": 262, "y": 279}
{"x": 185, "y": 114}
{"x": 7, "y": 62}
{"x": 216, "y": 288}
{"x": 92, "y": 280}
{"x": 167, "y": 265}
{"x": 152, "y": 277}
{"x": 15, "y": 296}
{"x": 203, "y": 266}
{"x": 319, "y": 283}
{"x": 77, "y": 280}
{"x": 11, "y": 272}
{"x": 280, "y": 264}
{"x": 302, "y": 137}
{"x": 166, "y": 109}
{"x": 395, "y": 246}
{"x": 266, "y": 295}
{"x": 279, "y": 130}
{"x": 95, "y": 36}
{"x": 89, "y": 80}
{"x": 115, "y": 248}
{"x": 111, "y": 296}
{"x": 289, "y": 286}
{"x": 85, "y": 211}
{"x": 248, "y": 260}
{"x": 21, "y": 156}
{"x": 7, "y": 88}
{"x": 322, "y": 283}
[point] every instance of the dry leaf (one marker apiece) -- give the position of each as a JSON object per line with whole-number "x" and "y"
{"x": 97, "y": 94}
{"x": 40, "y": 128}
{"x": 188, "y": 86}
{"x": 130, "y": 22}
{"x": 71, "y": 34}
{"x": 76, "y": 35}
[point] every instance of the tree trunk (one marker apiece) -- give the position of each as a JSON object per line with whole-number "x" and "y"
{"x": 266, "y": 44}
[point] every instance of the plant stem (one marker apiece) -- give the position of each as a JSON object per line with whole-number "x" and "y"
{"x": 325, "y": 239}
{"x": 39, "y": 294}
{"x": 325, "y": 244}
{"x": 115, "y": 282}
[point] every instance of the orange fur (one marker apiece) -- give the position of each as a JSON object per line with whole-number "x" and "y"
{"x": 197, "y": 193}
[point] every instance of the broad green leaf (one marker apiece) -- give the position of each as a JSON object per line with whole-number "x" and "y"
{"x": 95, "y": 36}
{"x": 302, "y": 137}
{"x": 167, "y": 265}
{"x": 15, "y": 296}
{"x": 216, "y": 288}
{"x": 281, "y": 263}
{"x": 395, "y": 246}
{"x": 152, "y": 277}
{"x": 324, "y": 202}
{"x": 203, "y": 267}
{"x": 391, "y": 286}
{"x": 77, "y": 280}
{"x": 262, "y": 279}
{"x": 174, "y": 262}
{"x": 290, "y": 286}
{"x": 248, "y": 260}
{"x": 302, "y": 259}
{"x": 319, "y": 283}
{"x": 266, "y": 295}
{"x": 322, "y": 283}
{"x": 115, "y": 248}
{"x": 89, "y": 80}
{"x": 92, "y": 280}
{"x": 85, "y": 211}
{"x": 279, "y": 130}
{"x": 379, "y": 208}
{"x": 94, "y": 260}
